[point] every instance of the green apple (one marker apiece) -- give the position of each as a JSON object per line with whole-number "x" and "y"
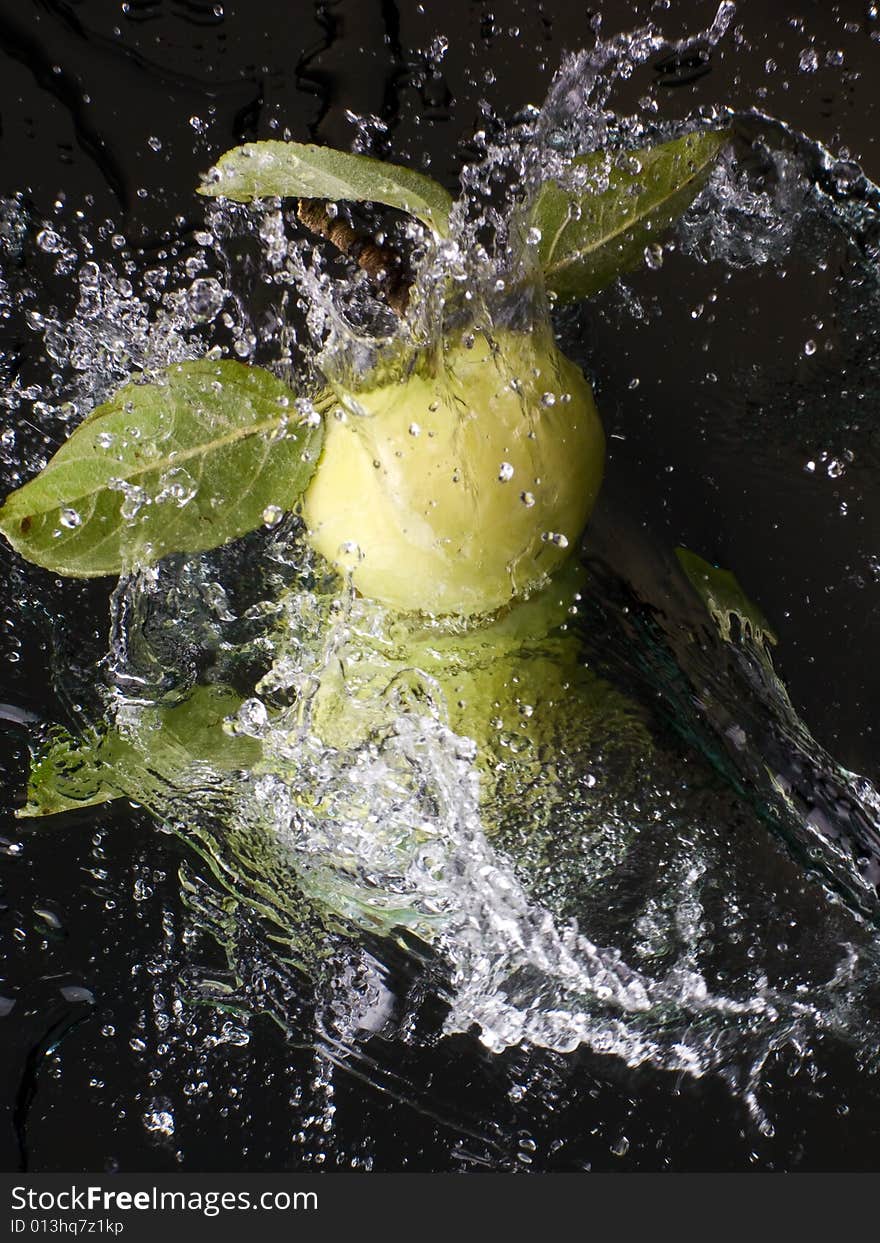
{"x": 463, "y": 484}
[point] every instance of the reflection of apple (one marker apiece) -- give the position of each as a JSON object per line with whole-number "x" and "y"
{"x": 456, "y": 491}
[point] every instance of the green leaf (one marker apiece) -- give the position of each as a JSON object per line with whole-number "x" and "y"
{"x": 179, "y": 465}
{"x": 621, "y": 203}
{"x": 301, "y": 170}
{"x": 724, "y": 597}
{"x": 171, "y": 745}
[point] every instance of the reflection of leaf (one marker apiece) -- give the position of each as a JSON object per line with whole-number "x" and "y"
{"x": 724, "y": 598}
{"x": 300, "y": 170}
{"x": 179, "y": 465}
{"x": 621, "y": 203}
{"x": 172, "y": 739}
{"x": 68, "y": 774}
{"x": 172, "y": 745}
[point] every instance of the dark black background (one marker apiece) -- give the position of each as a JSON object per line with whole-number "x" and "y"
{"x": 85, "y": 85}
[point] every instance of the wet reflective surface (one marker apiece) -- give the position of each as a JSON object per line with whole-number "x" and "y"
{"x": 714, "y": 1006}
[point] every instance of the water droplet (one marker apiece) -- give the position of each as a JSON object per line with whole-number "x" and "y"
{"x": 141, "y": 891}
{"x": 505, "y": 472}
{"x": 205, "y": 298}
{"x": 49, "y": 918}
{"x": 527, "y": 499}
{"x": 809, "y": 347}
{"x": 49, "y": 241}
{"x": 176, "y": 485}
{"x": 272, "y": 515}
{"x": 252, "y": 718}
{"x": 75, "y": 992}
{"x": 230, "y": 1033}
{"x": 160, "y": 1121}
{"x": 134, "y": 498}
{"x": 70, "y": 518}
{"x": 809, "y": 61}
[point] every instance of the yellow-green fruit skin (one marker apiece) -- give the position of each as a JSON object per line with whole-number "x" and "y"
{"x": 455, "y": 492}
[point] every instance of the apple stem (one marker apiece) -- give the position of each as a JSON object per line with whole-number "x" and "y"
{"x": 383, "y": 265}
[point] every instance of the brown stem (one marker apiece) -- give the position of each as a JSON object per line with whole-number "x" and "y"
{"x": 383, "y": 265}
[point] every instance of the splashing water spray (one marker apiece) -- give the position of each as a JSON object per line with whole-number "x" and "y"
{"x": 424, "y": 729}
